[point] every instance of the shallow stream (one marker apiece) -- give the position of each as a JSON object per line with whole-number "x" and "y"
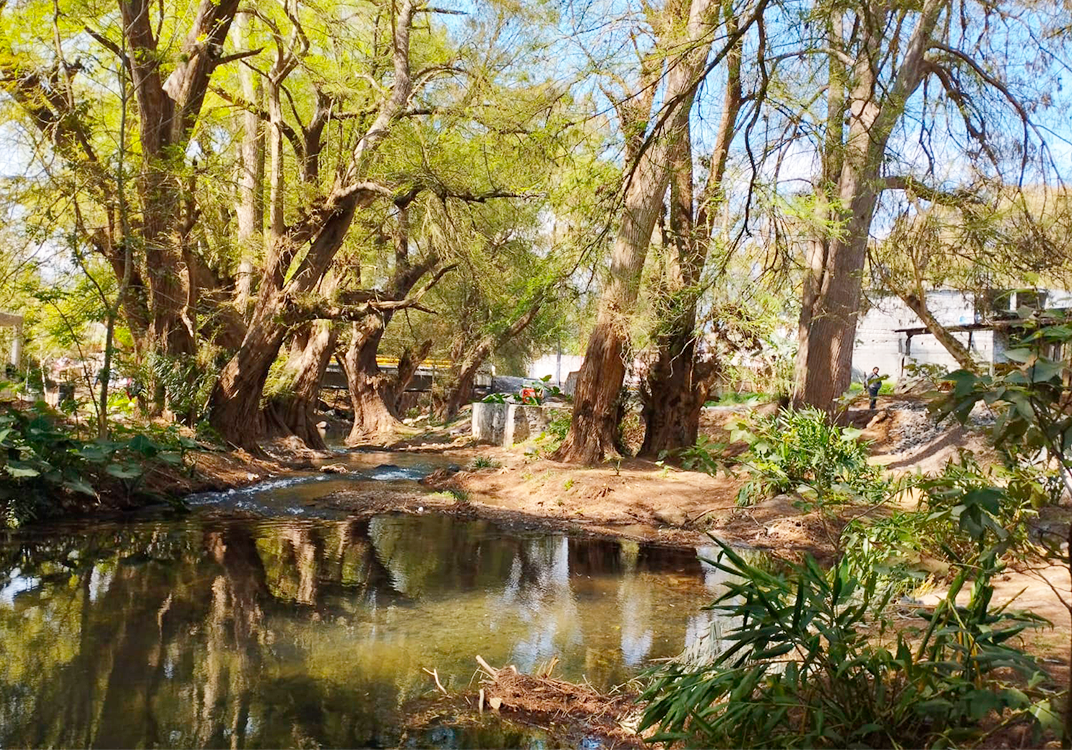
{"x": 286, "y": 629}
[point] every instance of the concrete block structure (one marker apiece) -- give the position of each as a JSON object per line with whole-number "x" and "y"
{"x": 510, "y": 424}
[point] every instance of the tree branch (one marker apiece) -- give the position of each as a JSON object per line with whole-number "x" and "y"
{"x": 910, "y": 184}
{"x": 373, "y": 301}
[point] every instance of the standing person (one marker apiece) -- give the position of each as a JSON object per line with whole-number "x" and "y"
{"x": 874, "y": 385}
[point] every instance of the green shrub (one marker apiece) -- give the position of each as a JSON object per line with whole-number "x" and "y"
{"x": 965, "y": 512}
{"x": 805, "y": 666}
{"x": 800, "y": 451}
{"x": 705, "y": 456}
{"x": 484, "y": 462}
{"x": 556, "y": 430}
{"x": 187, "y": 380}
{"x": 739, "y": 398}
{"x": 44, "y": 464}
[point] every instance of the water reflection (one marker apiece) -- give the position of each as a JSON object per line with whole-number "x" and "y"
{"x": 240, "y": 633}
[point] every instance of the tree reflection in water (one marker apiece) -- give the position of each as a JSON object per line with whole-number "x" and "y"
{"x": 244, "y": 633}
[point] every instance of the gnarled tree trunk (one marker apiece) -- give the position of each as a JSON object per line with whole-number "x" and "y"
{"x": 322, "y": 227}
{"x": 373, "y": 395}
{"x": 373, "y": 412}
{"x": 676, "y": 386}
{"x": 293, "y": 411}
{"x": 593, "y": 429}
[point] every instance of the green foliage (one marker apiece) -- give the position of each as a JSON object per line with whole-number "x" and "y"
{"x": 929, "y": 374}
{"x": 704, "y": 456}
{"x": 533, "y": 394}
{"x": 45, "y": 464}
{"x": 800, "y": 451}
{"x": 802, "y": 668}
{"x": 187, "y": 381}
{"x": 484, "y": 462}
{"x": 739, "y": 398}
{"x": 557, "y": 429}
{"x": 965, "y": 513}
{"x": 456, "y": 494}
{"x": 1029, "y": 395}
{"x": 1033, "y": 429}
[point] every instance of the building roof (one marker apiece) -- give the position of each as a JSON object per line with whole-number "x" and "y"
{"x": 1010, "y": 323}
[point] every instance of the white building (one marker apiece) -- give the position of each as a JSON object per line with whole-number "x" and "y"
{"x": 558, "y": 366}
{"x": 889, "y": 335}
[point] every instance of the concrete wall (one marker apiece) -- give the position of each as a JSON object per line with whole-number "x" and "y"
{"x": 558, "y": 366}
{"x": 879, "y": 345}
{"x": 510, "y": 424}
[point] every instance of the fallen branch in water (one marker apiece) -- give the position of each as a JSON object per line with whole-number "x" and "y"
{"x": 435, "y": 676}
{"x": 549, "y": 702}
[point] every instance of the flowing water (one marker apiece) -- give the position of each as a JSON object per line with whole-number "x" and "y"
{"x": 215, "y": 630}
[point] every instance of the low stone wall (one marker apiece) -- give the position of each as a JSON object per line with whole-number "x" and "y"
{"x": 510, "y": 424}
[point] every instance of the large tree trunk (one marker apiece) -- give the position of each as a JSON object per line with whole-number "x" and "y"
{"x": 167, "y": 112}
{"x": 373, "y": 415}
{"x": 851, "y": 185}
{"x": 374, "y": 396}
{"x": 593, "y": 430}
{"x": 408, "y": 364}
{"x": 832, "y": 292}
{"x": 460, "y": 391}
{"x": 293, "y": 411}
{"x": 250, "y": 180}
{"x": 674, "y": 394}
{"x": 236, "y": 399}
{"x": 677, "y": 385}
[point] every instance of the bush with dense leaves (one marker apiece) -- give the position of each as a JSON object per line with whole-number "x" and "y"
{"x": 806, "y": 665}
{"x": 43, "y": 464}
{"x": 799, "y": 450}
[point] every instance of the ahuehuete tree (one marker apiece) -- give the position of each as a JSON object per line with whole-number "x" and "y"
{"x": 421, "y": 105}
{"x": 486, "y": 234}
{"x": 502, "y": 293}
{"x": 49, "y": 67}
{"x": 678, "y": 379}
{"x": 653, "y": 130}
{"x": 935, "y": 76}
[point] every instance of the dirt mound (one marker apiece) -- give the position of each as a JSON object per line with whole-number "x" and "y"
{"x": 907, "y": 437}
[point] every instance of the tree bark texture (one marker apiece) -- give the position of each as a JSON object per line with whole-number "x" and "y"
{"x": 593, "y": 429}
{"x": 250, "y": 180}
{"x": 293, "y": 411}
{"x": 677, "y": 383}
{"x": 373, "y": 413}
{"x": 167, "y": 111}
{"x": 850, "y": 187}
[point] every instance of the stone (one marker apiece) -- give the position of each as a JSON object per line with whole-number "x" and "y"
{"x": 670, "y": 516}
{"x": 334, "y": 469}
{"x": 780, "y": 505}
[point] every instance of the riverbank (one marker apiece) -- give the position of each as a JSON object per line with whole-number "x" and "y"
{"x": 326, "y": 502}
{"x": 633, "y": 499}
